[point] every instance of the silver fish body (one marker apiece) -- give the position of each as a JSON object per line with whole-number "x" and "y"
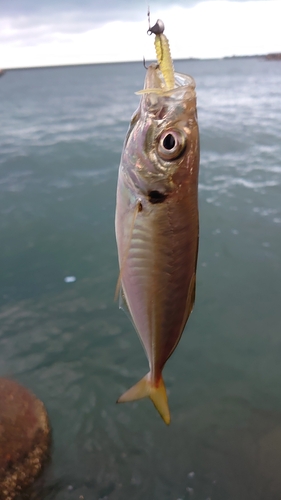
{"x": 157, "y": 224}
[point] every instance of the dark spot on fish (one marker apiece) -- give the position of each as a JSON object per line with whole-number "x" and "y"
{"x": 156, "y": 197}
{"x": 140, "y": 206}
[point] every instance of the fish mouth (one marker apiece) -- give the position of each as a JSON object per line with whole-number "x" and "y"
{"x": 159, "y": 102}
{"x": 155, "y": 84}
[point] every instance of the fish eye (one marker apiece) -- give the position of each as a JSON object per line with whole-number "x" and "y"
{"x": 171, "y": 144}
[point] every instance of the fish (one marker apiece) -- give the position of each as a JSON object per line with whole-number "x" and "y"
{"x": 156, "y": 218}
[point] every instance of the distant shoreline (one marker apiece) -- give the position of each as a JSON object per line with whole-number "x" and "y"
{"x": 267, "y": 57}
{"x": 273, "y": 57}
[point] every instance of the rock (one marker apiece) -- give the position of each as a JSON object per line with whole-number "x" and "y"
{"x": 24, "y": 438}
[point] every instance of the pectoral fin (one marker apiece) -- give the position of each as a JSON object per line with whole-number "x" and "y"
{"x": 137, "y": 209}
{"x": 145, "y": 389}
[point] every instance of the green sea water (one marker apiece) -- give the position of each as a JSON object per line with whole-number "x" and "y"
{"x": 62, "y": 131}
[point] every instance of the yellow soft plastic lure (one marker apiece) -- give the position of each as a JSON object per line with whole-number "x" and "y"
{"x": 163, "y": 54}
{"x": 164, "y": 59}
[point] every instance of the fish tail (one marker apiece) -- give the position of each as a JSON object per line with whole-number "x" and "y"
{"x": 145, "y": 389}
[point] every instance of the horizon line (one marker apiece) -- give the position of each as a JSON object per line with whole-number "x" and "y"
{"x": 67, "y": 65}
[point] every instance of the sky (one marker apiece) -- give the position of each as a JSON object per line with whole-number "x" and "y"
{"x": 56, "y": 32}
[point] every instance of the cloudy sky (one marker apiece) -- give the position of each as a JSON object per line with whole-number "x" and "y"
{"x": 54, "y": 32}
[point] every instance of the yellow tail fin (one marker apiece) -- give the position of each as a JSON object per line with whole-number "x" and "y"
{"x": 157, "y": 394}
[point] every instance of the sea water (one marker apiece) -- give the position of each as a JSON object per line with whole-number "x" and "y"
{"x": 63, "y": 336}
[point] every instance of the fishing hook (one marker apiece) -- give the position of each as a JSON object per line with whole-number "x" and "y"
{"x": 144, "y": 63}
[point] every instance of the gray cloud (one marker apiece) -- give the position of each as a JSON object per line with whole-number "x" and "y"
{"x": 32, "y": 20}
{"x": 32, "y": 17}
{"x": 103, "y": 10}
{"x": 100, "y": 11}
